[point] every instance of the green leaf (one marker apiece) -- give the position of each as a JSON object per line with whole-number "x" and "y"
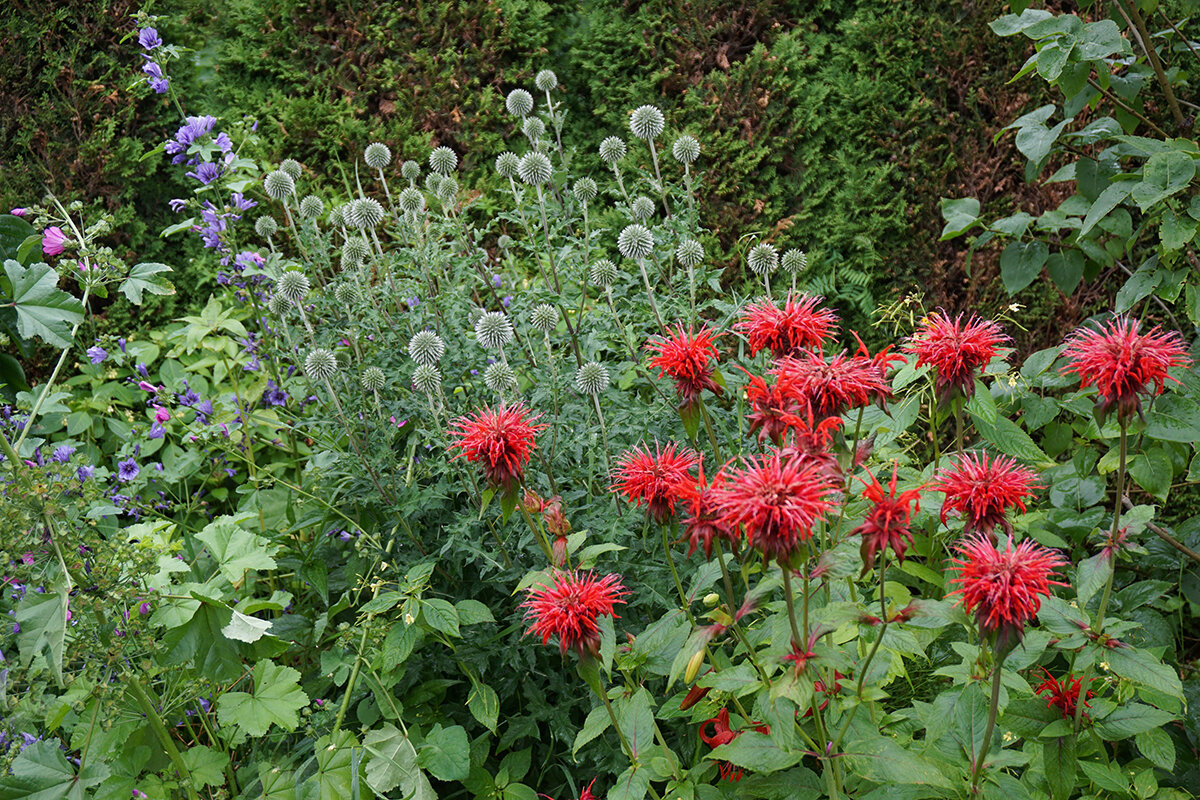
{"x": 276, "y": 699}
{"x": 1021, "y": 262}
{"x": 1145, "y": 670}
{"x": 13, "y": 233}
{"x": 337, "y": 766}
{"x": 42, "y": 772}
{"x": 473, "y": 612}
{"x": 1105, "y": 776}
{"x": 1101, "y": 39}
{"x": 1066, "y": 269}
{"x": 446, "y": 753}
{"x": 235, "y": 549}
{"x": 484, "y": 704}
{"x": 398, "y": 645}
{"x": 1058, "y": 759}
{"x": 1009, "y": 439}
{"x": 142, "y": 279}
{"x": 1153, "y": 471}
{"x": 1164, "y": 174}
{"x": 636, "y": 720}
{"x": 597, "y": 722}
{"x": 245, "y": 628}
{"x": 632, "y": 784}
{"x": 884, "y": 760}
{"x": 1027, "y": 717}
{"x": 1174, "y": 418}
{"x": 1034, "y": 139}
{"x": 961, "y": 215}
{"x": 441, "y": 616}
{"x": 43, "y": 310}
{"x": 755, "y": 751}
{"x": 1129, "y": 719}
{"x": 43, "y": 622}
{"x": 1176, "y": 231}
{"x": 1156, "y": 745}
{"x": 206, "y": 766}
{"x": 392, "y": 762}
{"x": 1090, "y": 575}
{"x": 1109, "y": 199}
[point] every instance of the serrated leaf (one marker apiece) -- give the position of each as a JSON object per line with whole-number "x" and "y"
{"x": 392, "y": 762}
{"x": 206, "y": 766}
{"x": 142, "y": 279}
{"x": 1156, "y": 745}
{"x": 43, "y": 310}
{"x": 441, "y": 616}
{"x": 42, "y": 618}
{"x": 1129, "y": 719}
{"x": 1058, "y": 759}
{"x": 484, "y": 705}
{"x": 1109, "y": 199}
{"x": 236, "y": 550}
{"x": 597, "y": 722}
{"x": 276, "y": 698}
{"x": 245, "y": 628}
{"x": 1144, "y": 669}
{"x": 1021, "y": 262}
{"x": 1009, "y": 439}
{"x": 42, "y": 772}
{"x": 446, "y": 754}
{"x": 473, "y": 612}
{"x": 636, "y": 720}
{"x": 757, "y": 752}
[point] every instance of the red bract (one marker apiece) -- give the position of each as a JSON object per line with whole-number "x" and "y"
{"x": 1065, "y": 695}
{"x": 886, "y": 524}
{"x": 569, "y": 607}
{"x": 790, "y": 330}
{"x": 1003, "y": 587}
{"x": 704, "y": 523}
{"x": 659, "y": 478}
{"x": 501, "y": 439}
{"x": 956, "y": 350}
{"x": 773, "y": 407}
{"x": 982, "y": 490}
{"x": 776, "y": 498}
{"x": 723, "y": 734}
{"x": 1123, "y": 364}
{"x": 830, "y": 388}
{"x": 685, "y": 355}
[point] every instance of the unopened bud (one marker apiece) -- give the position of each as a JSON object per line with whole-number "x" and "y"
{"x": 693, "y": 667}
{"x": 711, "y": 599}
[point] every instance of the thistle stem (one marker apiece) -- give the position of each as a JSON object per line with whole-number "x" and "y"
{"x": 641, "y": 262}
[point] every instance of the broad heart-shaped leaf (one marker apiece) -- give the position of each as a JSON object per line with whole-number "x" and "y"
{"x": 276, "y": 699}
{"x": 1164, "y": 174}
{"x": 43, "y": 622}
{"x": 142, "y": 278}
{"x": 1021, "y": 262}
{"x": 484, "y": 705}
{"x": 43, "y": 310}
{"x": 207, "y": 766}
{"x": 960, "y": 215}
{"x": 446, "y": 753}
{"x": 392, "y": 762}
{"x": 245, "y": 628}
{"x": 1109, "y": 199}
{"x": 42, "y": 772}
{"x": 235, "y": 550}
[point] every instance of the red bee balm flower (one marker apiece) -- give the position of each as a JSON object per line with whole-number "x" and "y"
{"x": 500, "y": 438}
{"x": 659, "y": 479}
{"x": 568, "y": 609}
{"x": 984, "y": 490}
{"x": 1065, "y": 695}
{"x": 886, "y": 524}
{"x": 957, "y": 350}
{"x": 773, "y": 408}
{"x": 832, "y": 387}
{"x": 1123, "y": 364}
{"x": 704, "y": 523}
{"x": 721, "y": 734}
{"x": 1003, "y": 587}
{"x": 685, "y": 356}
{"x": 776, "y": 498}
{"x": 789, "y": 330}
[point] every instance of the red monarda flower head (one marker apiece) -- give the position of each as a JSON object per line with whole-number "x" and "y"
{"x": 790, "y": 330}
{"x": 772, "y": 407}
{"x": 705, "y": 523}
{"x": 659, "y": 478}
{"x": 887, "y": 522}
{"x": 685, "y": 355}
{"x": 776, "y": 498}
{"x": 830, "y": 388}
{"x": 1123, "y": 364}
{"x": 1065, "y": 695}
{"x": 983, "y": 489}
{"x": 1003, "y": 587}
{"x": 501, "y": 439}
{"x": 568, "y": 609}
{"x": 956, "y": 350}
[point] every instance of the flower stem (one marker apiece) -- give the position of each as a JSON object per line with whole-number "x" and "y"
{"x": 797, "y": 640}
{"x": 986, "y": 745}
{"x": 641, "y": 262}
{"x": 683, "y": 601}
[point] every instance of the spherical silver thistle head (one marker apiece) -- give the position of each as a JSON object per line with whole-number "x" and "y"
{"x": 426, "y": 379}
{"x": 447, "y": 189}
{"x": 635, "y": 242}
{"x": 686, "y": 149}
{"x": 346, "y": 294}
{"x": 292, "y": 167}
{"x": 545, "y": 80}
{"x": 336, "y": 218}
{"x": 535, "y": 168}
{"x": 507, "y": 165}
{"x": 266, "y": 226}
{"x": 493, "y": 330}
{"x": 500, "y": 378}
{"x": 367, "y": 212}
{"x": 433, "y": 182}
{"x": 279, "y": 185}
{"x": 602, "y": 273}
{"x": 592, "y": 378}
{"x": 443, "y": 160}
{"x": 373, "y": 379}
{"x": 311, "y": 207}
{"x": 642, "y": 208}
{"x": 646, "y": 122}
{"x": 519, "y": 103}
{"x": 763, "y": 259}
{"x": 533, "y": 128}
{"x": 544, "y": 318}
{"x": 689, "y": 253}
{"x": 410, "y": 170}
{"x": 293, "y": 286}
{"x": 612, "y": 150}
{"x": 279, "y": 305}
{"x": 795, "y": 261}
{"x": 585, "y": 190}
{"x": 504, "y": 242}
{"x": 426, "y": 347}
{"x": 354, "y": 252}
{"x": 377, "y": 155}
{"x": 320, "y": 364}
{"x": 411, "y": 200}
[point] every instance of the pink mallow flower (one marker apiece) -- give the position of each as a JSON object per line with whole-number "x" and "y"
{"x": 19, "y": 212}
{"x": 161, "y": 414}
{"x": 53, "y": 240}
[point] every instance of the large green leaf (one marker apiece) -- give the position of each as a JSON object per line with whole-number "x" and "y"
{"x": 1129, "y": 719}
{"x": 206, "y": 766}
{"x": 13, "y": 233}
{"x": 43, "y": 310}
{"x": 144, "y": 278}
{"x": 392, "y": 762}
{"x": 757, "y": 752}
{"x": 200, "y": 638}
{"x": 446, "y": 753}
{"x": 636, "y": 720}
{"x": 1109, "y": 199}
{"x": 235, "y": 549}
{"x": 1058, "y": 758}
{"x": 961, "y": 215}
{"x": 43, "y": 622}
{"x": 276, "y": 699}
{"x": 1164, "y": 174}
{"x": 1021, "y": 262}
{"x": 42, "y": 772}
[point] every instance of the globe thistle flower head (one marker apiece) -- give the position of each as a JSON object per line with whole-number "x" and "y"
{"x": 544, "y": 318}
{"x": 266, "y": 226}
{"x": 831, "y": 388}
{"x": 1003, "y": 588}
{"x": 292, "y": 167}
{"x": 704, "y": 523}
{"x": 426, "y": 347}
{"x": 956, "y": 350}
{"x": 493, "y": 330}
{"x": 366, "y": 212}
{"x": 373, "y": 379}
{"x": 612, "y": 150}
{"x": 500, "y": 439}
{"x": 777, "y": 498}
{"x": 279, "y": 305}
{"x": 602, "y": 273}
{"x": 426, "y": 379}
{"x": 1123, "y": 364}
{"x": 1064, "y": 695}
{"x": 657, "y": 479}
{"x": 504, "y": 241}
{"x": 535, "y": 168}
{"x": 686, "y": 149}
{"x": 346, "y": 294}
{"x": 592, "y": 378}
{"x": 689, "y": 253}
{"x": 410, "y": 170}
{"x": 799, "y": 325}
{"x": 519, "y": 103}
{"x": 568, "y": 608}
{"x": 311, "y": 207}
{"x": 279, "y": 185}
{"x": 887, "y": 522}
{"x": 983, "y": 489}
{"x": 763, "y": 259}
{"x": 545, "y": 80}
{"x": 443, "y": 160}
{"x": 447, "y": 189}
{"x": 635, "y": 242}
{"x": 354, "y": 252}
{"x": 336, "y": 217}
{"x": 412, "y": 201}
{"x": 293, "y": 286}
{"x": 320, "y": 364}
{"x": 433, "y": 182}
{"x": 377, "y": 155}
{"x": 795, "y": 261}
{"x": 689, "y": 358}
{"x": 500, "y": 378}
{"x": 585, "y": 190}
{"x": 646, "y": 122}
{"x": 642, "y": 208}
{"x": 533, "y": 128}
{"x": 508, "y": 165}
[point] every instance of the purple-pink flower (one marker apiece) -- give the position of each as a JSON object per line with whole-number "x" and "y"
{"x": 19, "y": 212}
{"x": 149, "y": 38}
{"x": 53, "y": 240}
